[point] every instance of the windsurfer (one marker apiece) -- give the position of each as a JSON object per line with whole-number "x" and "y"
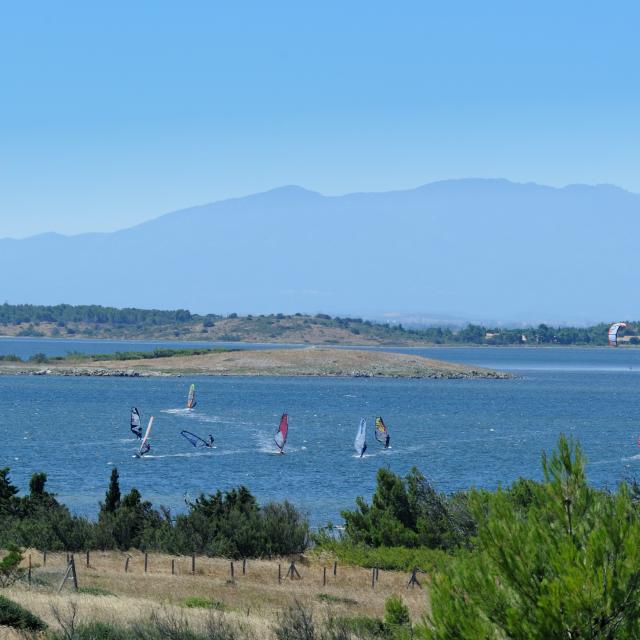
{"x": 386, "y": 441}
{"x": 364, "y": 448}
{"x": 146, "y": 447}
{"x": 209, "y": 443}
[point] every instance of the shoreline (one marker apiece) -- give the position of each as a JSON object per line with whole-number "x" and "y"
{"x": 292, "y": 362}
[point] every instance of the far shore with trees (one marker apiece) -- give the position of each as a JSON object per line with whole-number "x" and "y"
{"x": 98, "y": 322}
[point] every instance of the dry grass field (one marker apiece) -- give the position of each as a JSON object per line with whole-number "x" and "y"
{"x": 253, "y": 600}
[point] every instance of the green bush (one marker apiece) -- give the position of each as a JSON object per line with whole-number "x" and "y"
{"x": 396, "y": 613}
{"x": 17, "y": 617}
{"x": 197, "y": 602}
{"x": 564, "y": 564}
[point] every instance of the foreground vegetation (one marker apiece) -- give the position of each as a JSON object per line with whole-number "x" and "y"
{"x": 537, "y": 560}
{"x": 94, "y": 321}
{"x": 230, "y": 524}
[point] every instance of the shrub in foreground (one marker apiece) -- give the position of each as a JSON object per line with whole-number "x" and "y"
{"x": 566, "y": 565}
{"x": 17, "y": 617}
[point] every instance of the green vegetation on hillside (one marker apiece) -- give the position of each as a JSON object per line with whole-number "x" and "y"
{"x": 106, "y": 322}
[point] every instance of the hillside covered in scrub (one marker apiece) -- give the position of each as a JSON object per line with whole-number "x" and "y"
{"x": 95, "y": 321}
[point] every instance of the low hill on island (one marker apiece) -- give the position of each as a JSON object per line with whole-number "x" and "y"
{"x": 309, "y": 361}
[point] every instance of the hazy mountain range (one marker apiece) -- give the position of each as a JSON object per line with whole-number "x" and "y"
{"x": 475, "y": 249}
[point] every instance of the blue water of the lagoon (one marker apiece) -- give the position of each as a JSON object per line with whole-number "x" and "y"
{"x": 459, "y": 433}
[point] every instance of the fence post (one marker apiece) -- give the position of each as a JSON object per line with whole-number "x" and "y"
{"x": 324, "y": 576}
{"x": 44, "y": 558}
{"x": 232, "y": 573}
{"x": 279, "y": 573}
{"x": 244, "y": 566}
{"x": 146, "y": 561}
{"x": 126, "y": 564}
{"x": 373, "y": 578}
{"x": 29, "y": 570}
{"x": 88, "y": 552}
{"x": 377, "y": 574}
{"x": 173, "y": 567}
{"x": 73, "y": 572}
{"x": 193, "y": 563}
{"x": 335, "y": 568}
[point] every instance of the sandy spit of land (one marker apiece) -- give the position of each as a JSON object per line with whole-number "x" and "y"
{"x": 270, "y": 362}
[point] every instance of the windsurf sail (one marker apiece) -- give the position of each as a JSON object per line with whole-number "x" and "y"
{"x": 144, "y": 445}
{"x": 360, "y": 442}
{"x": 195, "y": 440}
{"x": 613, "y": 333}
{"x": 135, "y": 422}
{"x": 191, "y": 398}
{"x": 382, "y": 433}
{"x": 281, "y": 434}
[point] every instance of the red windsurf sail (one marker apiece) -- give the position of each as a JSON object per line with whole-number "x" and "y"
{"x": 281, "y": 434}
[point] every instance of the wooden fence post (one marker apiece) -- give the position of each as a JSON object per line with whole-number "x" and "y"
{"x": 146, "y": 561}
{"x": 88, "y": 557}
{"x": 377, "y": 574}
{"x": 29, "y": 570}
{"x": 193, "y": 563}
{"x": 335, "y": 568}
{"x": 232, "y": 573}
{"x": 293, "y": 572}
{"x": 373, "y": 578}
{"x": 73, "y": 572}
{"x": 173, "y": 567}
{"x": 126, "y": 564}
{"x": 324, "y": 576}
{"x": 413, "y": 580}
{"x": 279, "y": 573}
{"x": 244, "y": 566}
{"x": 44, "y": 558}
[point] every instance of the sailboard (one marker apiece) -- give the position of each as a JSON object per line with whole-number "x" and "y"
{"x": 135, "y": 422}
{"x": 195, "y": 440}
{"x": 143, "y": 444}
{"x": 191, "y": 398}
{"x": 281, "y": 434}
{"x": 360, "y": 443}
{"x": 381, "y": 431}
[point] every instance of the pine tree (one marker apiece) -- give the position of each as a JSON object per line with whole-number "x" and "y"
{"x": 112, "y": 499}
{"x": 566, "y": 565}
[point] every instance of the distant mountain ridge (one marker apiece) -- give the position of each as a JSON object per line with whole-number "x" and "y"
{"x": 467, "y": 248}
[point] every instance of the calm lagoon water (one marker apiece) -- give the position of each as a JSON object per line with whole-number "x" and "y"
{"x": 459, "y": 433}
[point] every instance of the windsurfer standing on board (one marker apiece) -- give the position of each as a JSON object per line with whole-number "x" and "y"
{"x": 209, "y": 444}
{"x": 386, "y": 441}
{"x": 146, "y": 447}
{"x": 364, "y": 448}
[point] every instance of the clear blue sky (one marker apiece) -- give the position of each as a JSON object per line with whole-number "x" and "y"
{"x": 113, "y": 113}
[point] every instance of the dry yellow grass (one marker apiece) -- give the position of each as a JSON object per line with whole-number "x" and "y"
{"x": 254, "y": 599}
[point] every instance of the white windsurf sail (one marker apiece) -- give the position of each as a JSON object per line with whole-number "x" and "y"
{"x": 144, "y": 444}
{"x": 360, "y": 443}
{"x": 191, "y": 398}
